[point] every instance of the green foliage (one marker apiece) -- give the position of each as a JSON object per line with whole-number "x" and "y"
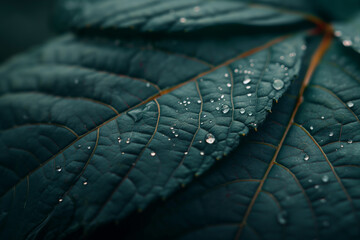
{"x": 142, "y": 98}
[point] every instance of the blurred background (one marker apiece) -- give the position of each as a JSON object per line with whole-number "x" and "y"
{"x": 24, "y": 24}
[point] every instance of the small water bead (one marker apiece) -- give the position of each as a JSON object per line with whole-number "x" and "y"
{"x": 322, "y": 117}
{"x": 196, "y": 9}
{"x": 147, "y": 84}
{"x": 226, "y": 75}
{"x": 58, "y": 169}
{"x": 185, "y": 153}
{"x": 331, "y": 134}
{"x": 220, "y": 88}
{"x": 119, "y": 139}
{"x": 341, "y": 145}
{"x": 310, "y": 180}
{"x": 325, "y": 178}
{"x": 242, "y": 110}
{"x": 249, "y": 94}
{"x": 246, "y": 81}
{"x": 211, "y": 100}
{"x": 204, "y": 115}
{"x": 217, "y": 108}
{"x": 210, "y": 139}
{"x": 222, "y": 96}
{"x": 89, "y": 147}
{"x": 347, "y": 43}
{"x": 306, "y": 157}
{"x": 228, "y": 84}
{"x": 128, "y": 140}
{"x": 311, "y": 128}
{"x": 60, "y": 200}
{"x": 350, "y": 104}
{"x": 152, "y": 154}
{"x": 236, "y": 70}
{"x": 323, "y": 200}
{"x": 250, "y": 114}
{"x": 350, "y": 141}
{"x": 278, "y": 84}
{"x": 303, "y": 47}
{"x": 182, "y": 20}
{"x": 202, "y": 153}
{"x": 316, "y": 186}
{"x": 282, "y": 217}
{"x": 337, "y": 33}
{"x": 248, "y": 87}
{"x": 225, "y": 109}
{"x": 282, "y": 57}
{"x": 79, "y": 146}
{"x": 199, "y": 101}
{"x": 122, "y": 153}
{"x": 293, "y": 54}
{"x": 85, "y": 183}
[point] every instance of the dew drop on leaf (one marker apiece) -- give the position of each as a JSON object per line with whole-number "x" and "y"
{"x": 278, "y": 84}
{"x": 331, "y": 134}
{"x": 182, "y": 20}
{"x": 311, "y": 128}
{"x": 282, "y": 217}
{"x": 58, "y": 169}
{"x": 247, "y": 81}
{"x": 350, "y": 141}
{"x": 225, "y": 109}
{"x": 350, "y": 104}
{"x": 325, "y": 178}
{"x": 210, "y": 139}
{"x": 347, "y": 43}
{"x": 202, "y": 153}
{"x": 85, "y": 183}
{"x": 242, "y": 110}
{"x": 152, "y": 154}
{"x": 306, "y": 157}
{"x": 228, "y": 84}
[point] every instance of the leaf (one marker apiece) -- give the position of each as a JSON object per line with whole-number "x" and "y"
{"x": 349, "y": 32}
{"x": 296, "y": 178}
{"x": 93, "y": 129}
{"x": 169, "y": 15}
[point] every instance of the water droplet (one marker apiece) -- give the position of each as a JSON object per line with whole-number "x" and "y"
{"x": 311, "y": 128}
{"x": 306, "y": 157}
{"x": 128, "y": 140}
{"x": 85, "y": 183}
{"x": 220, "y": 88}
{"x": 303, "y": 47}
{"x": 152, "y": 154}
{"x": 325, "y": 178}
{"x": 60, "y": 200}
{"x": 147, "y": 84}
{"x": 58, "y": 169}
{"x": 226, "y": 75}
{"x": 196, "y": 9}
{"x": 119, "y": 139}
{"x": 316, "y": 186}
{"x": 249, "y": 94}
{"x": 250, "y": 114}
{"x": 338, "y": 33}
{"x": 247, "y": 81}
{"x": 228, "y": 84}
{"x": 122, "y": 153}
{"x": 242, "y": 110}
{"x": 199, "y": 101}
{"x": 225, "y": 109}
{"x": 350, "y": 104}
{"x": 248, "y": 87}
{"x": 204, "y": 115}
{"x": 278, "y": 84}
{"x": 350, "y": 141}
{"x": 341, "y": 145}
{"x": 347, "y": 43}
{"x": 282, "y": 57}
{"x": 211, "y": 100}
{"x": 323, "y": 200}
{"x": 310, "y": 180}
{"x": 282, "y": 217}
{"x": 89, "y": 147}
{"x": 293, "y": 54}
{"x": 185, "y": 153}
{"x": 202, "y": 153}
{"x": 331, "y": 134}
{"x": 182, "y": 20}
{"x": 79, "y": 146}
{"x": 210, "y": 139}
{"x": 222, "y": 96}
{"x": 236, "y": 70}
{"x": 322, "y": 117}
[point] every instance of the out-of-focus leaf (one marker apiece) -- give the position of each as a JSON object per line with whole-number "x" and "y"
{"x": 349, "y": 33}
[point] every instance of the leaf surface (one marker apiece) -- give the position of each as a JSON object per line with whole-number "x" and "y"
{"x": 94, "y": 129}
{"x": 296, "y": 178}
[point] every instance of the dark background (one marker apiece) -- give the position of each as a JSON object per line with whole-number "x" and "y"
{"x": 24, "y": 24}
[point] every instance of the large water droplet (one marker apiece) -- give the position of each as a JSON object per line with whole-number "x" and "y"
{"x": 225, "y": 109}
{"x": 152, "y": 154}
{"x": 242, "y": 110}
{"x": 247, "y": 81}
{"x": 325, "y": 178}
{"x": 282, "y": 217}
{"x": 350, "y": 104}
{"x": 278, "y": 84}
{"x": 210, "y": 139}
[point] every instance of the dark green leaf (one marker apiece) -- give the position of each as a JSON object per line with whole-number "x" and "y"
{"x": 300, "y": 183}
{"x": 92, "y": 130}
{"x": 349, "y": 33}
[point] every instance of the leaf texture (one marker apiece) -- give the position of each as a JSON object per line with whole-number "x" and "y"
{"x": 297, "y": 178}
{"x": 349, "y": 33}
{"x": 94, "y": 129}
